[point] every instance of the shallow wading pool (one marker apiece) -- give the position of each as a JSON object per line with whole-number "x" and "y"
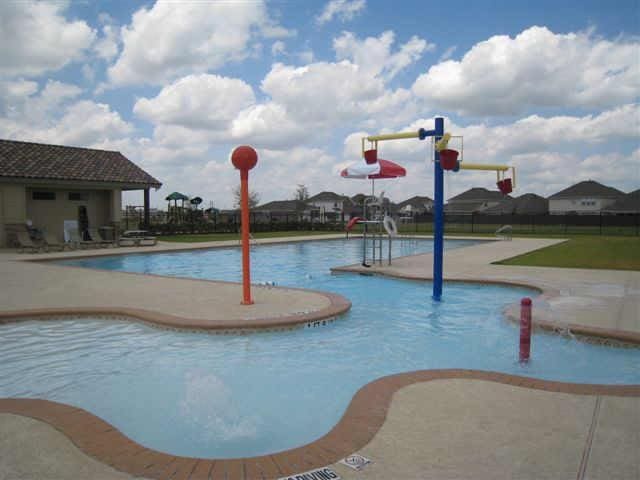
{"x": 214, "y": 396}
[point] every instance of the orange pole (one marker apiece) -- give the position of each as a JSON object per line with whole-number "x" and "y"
{"x": 244, "y": 205}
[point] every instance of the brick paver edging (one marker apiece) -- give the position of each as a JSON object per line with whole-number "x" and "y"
{"x": 363, "y": 418}
{"x": 337, "y": 306}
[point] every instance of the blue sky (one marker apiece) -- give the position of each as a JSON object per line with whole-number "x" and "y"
{"x": 549, "y": 87}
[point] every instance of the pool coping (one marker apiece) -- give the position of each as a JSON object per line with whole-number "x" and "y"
{"x": 338, "y": 305}
{"x": 361, "y": 421}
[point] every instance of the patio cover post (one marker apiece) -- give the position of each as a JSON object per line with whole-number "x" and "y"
{"x": 146, "y": 207}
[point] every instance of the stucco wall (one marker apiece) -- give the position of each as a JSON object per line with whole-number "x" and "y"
{"x": 579, "y": 205}
{"x": 49, "y": 215}
{"x": 12, "y": 208}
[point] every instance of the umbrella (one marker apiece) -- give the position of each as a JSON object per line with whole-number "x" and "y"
{"x": 380, "y": 169}
{"x": 177, "y": 196}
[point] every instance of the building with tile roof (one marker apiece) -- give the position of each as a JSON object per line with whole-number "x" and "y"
{"x": 50, "y": 184}
{"x": 627, "y": 204}
{"x": 526, "y": 204}
{"x": 474, "y": 200}
{"x": 587, "y": 197}
{"x": 416, "y": 205}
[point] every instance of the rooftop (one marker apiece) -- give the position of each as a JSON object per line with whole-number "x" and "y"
{"x": 479, "y": 194}
{"x": 56, "y": 162}
{"x": 587, "y": 188}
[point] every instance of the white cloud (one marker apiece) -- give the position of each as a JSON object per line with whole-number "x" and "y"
{"x": 197, "y": 101}
{"x": 374, "y": 56}
{"x": 13, "y": 91}
{"x": 176, "y": 38}
{"x": 537, "y": 68}
{"x": 88, "y": 73}
{"x": 53, "y": 116}
{"x": 36, "y": 38}
{"x": 106, "y": 47}
{"x": 306, "y": 56}
{"x": 345, "y": 10}
{"x": 448, "y": 53}
{"x": 24, "y": 104}
{"x": 278, "y": 48}
{"x": 308, "y": 102}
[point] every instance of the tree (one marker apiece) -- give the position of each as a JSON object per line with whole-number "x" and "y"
{"x": 302, "y": 193}
{"x": 254, "y": 198}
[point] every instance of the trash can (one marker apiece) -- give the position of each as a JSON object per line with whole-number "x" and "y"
{"x": 107, "y": 233}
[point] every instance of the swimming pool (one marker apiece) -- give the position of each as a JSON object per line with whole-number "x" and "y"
{"x": 216, "y": 396}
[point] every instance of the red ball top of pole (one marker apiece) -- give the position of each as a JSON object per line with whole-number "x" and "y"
{"x": 244, "y": 157}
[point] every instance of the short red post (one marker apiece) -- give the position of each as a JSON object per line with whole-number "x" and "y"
{"x": 525, "y": 329}
{"x": 244, "y": 158}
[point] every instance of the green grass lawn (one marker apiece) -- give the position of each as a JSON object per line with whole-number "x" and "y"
{"x": 219, "y": 237}
{"x": 613, "y": 253}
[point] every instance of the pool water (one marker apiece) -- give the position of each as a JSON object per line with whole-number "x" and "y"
{"x": 216, "y": 396}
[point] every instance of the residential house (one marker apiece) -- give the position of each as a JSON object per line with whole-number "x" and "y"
{"x": 283, "y": 210}
{"x": 526, "y": 204}
{"x": 329, "y": 206}
{"x": 474, "y": 200}
{"x": 413, "y": 206}
{"x": 50, "y": 184}
{"x": 628, "y": 204}
{"x": 588, "y": 197}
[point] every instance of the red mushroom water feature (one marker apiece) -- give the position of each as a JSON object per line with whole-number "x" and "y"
{"x": 244, "y": 158}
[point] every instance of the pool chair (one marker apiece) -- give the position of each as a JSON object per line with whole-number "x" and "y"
{"x": 97, "y": 238}
{"x": 148, "y": 241}
{"x": 128, "y": 241}
{"x": 76, "y": 241}
{"x": 23, "y": 240}
{"x": 50, "y": 241}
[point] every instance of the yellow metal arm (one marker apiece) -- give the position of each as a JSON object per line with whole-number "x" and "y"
{"x": 393, "y": 136}
{"x": 481, "y": 166}
{"x": 496, "y": 168}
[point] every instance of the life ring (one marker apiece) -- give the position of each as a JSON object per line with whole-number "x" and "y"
{"x": 352, "y": 223}
{"x": 390, "y": 226}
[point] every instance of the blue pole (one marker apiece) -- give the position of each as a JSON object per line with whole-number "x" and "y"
{"x": 438, "y": 218}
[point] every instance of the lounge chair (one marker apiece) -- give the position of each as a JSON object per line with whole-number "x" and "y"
{"x": 50, "y": 241}
{"x": 96, "y": 237}
{"x": 148, "y": 241}
{"x": 76, "y": 241}
{"x": 24, "y": 241}
{"x": 137, "y": 238}
{"x": 128, "y": 241}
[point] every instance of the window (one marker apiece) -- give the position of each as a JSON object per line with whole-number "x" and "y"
{"x": 78, "y": 197}
{"x": 43, "y": 195}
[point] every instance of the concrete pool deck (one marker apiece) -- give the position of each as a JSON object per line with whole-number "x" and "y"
{"x": 36, "y": 288}
{"x": 430, "y": 424}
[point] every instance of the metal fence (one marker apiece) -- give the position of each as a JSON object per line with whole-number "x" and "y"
{"x": 603, "y": 224}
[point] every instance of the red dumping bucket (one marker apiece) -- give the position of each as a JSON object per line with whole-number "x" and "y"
{"x": 505, "y": 186}
{"x": 448, "y": 159}
{"x": 371, "y": 156}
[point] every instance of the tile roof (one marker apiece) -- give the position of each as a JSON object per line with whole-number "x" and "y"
{"x": 327, "y": 197}
{"x": 630, "y": 203}
{"x": 283, "y": 206}
{"x": 417, "y": 201}
{"x": 588, "y": 188}
{"x": 479, "y": 194}
{"x": 57, "y": 162}
{"x": 528, "y": 203}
